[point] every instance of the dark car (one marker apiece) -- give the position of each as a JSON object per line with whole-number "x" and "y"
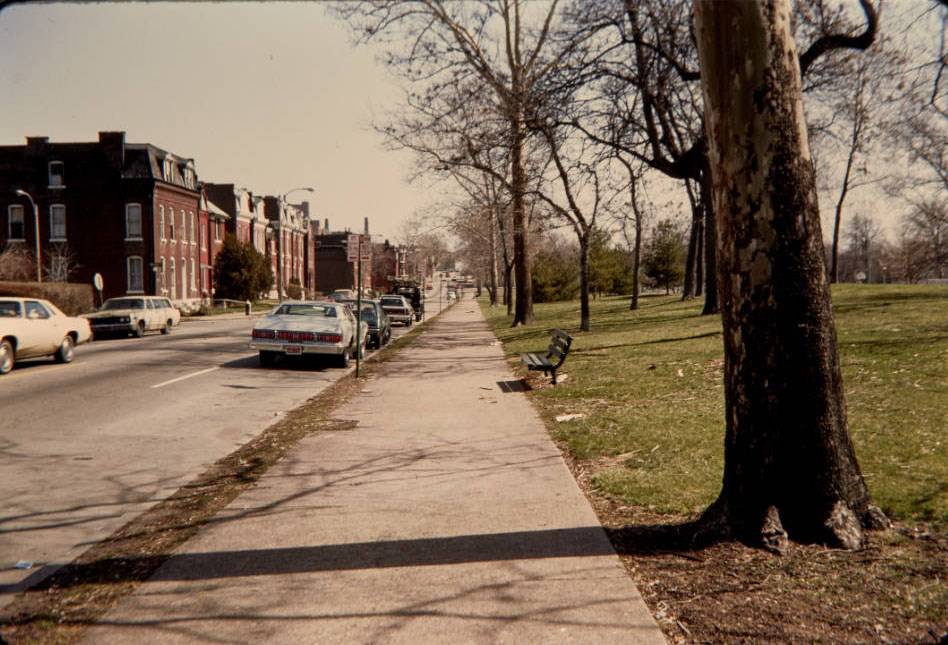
{"x": 375, "y": 318}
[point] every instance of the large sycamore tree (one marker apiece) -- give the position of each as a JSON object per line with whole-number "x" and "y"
{"x": 790, "y": 467}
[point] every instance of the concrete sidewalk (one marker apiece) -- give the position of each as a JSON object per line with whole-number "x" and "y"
{"x": 446, "y": 514}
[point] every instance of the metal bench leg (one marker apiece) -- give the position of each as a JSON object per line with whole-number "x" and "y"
{"x": 554, "y": 376}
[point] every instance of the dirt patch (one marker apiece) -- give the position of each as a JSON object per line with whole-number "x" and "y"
{"x": 893, "y": 591}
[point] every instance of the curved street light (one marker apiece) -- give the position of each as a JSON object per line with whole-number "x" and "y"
{"x": 283, "y": 204}
{"x": 36, "y": 230}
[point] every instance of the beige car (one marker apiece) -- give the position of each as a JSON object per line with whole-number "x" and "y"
{"x": 32, "y": 327}
{"x": 134, "y": 315}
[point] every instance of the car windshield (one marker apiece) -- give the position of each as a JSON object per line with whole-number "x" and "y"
{"x": 324, "y": 311}
{"x": 123, "y": 303}
{"x": 9, "y": 309}
{"x": 368, "y": 313}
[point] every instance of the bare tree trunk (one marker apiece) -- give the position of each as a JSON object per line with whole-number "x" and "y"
{"x": 523, "y": 314}
{"x": 584, "y": 281}
{"x": 508, "y": 288}
{"x": 790, "y": 468}
{"x": 636, "y": 265}
{"x": 492, "y": 240}
{"x": 834, "y": 271}
{"x": 688, "y": 289}
{"x": 699, "y": 259}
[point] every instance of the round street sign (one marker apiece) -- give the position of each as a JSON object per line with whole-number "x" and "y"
{"x": 97, "y": 281}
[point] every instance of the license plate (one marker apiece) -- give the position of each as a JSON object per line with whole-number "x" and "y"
{"x": 293, "y": 349}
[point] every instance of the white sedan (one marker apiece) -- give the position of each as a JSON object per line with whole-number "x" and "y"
{"x": 32, "y": 327}
{"x": 302, "y": 327}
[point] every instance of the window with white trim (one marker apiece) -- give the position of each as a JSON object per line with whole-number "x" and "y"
{"x": 168, "y": 169}
{"x": 161, "y": 223}
{"x": 133, "y": 221}
{"x": 57, "y": 222}
{"x": 217, "y": 231}
{"x": 16, "y": 229}
{"x": 193, "y": 276}
{"x": 189, "y": 177}
{"x": 203, "y": 226}
{"x": 136, "y": 282}
{"x": 191, "y": 217}
{"x": 57, "y": 174}
{"x": 184, "y": 230}
{"x": 171, "y": 224}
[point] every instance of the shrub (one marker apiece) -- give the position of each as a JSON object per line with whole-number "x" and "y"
{"x": 294, "y": 290}
{"x": 242, "y": 272}
{"x": 73, "y": 299}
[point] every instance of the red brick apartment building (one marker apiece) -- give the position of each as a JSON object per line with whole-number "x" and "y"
{"x": 128, "y": 211}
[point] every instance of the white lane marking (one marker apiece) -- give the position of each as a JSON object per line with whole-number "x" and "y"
{"x": 186, "y": 376}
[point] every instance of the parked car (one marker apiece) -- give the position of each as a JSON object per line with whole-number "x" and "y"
{"x": 342, "y": 294}
{"x": 376, "y": 320}
{"x": 306, "y": 328}
{"x": 398, "y": 309}
{"x": 33, "y": 327}
{"x": 134, "y": 315}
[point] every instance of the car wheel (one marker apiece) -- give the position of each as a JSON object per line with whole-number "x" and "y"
{"x": 139, "y": 329}
{"x": 167, "y": 328}
{"x": 66, "y": 350}
{"x": 344, "y": 358}
{"x": 7, "y": 356}
{"x": 267, "y": 358}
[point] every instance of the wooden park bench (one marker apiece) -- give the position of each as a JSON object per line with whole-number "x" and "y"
{"x": 555, "y": 355}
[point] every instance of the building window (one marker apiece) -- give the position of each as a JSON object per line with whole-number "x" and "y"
{"x": 161, "y": 222}
{"x": 133, "y": 221}
{"x": 191, "y": 217}
{"x": 168, "y": 170}
{"x": 189, "y": 177}
{"x": 57, "y": 178}
{"x": 172, "y": 276}
{"x": 135, "y": 277}
{"x": 217, "y": 231}
{"x": 184, "y": 230}
{"x": 193, "y": 276}
{"x": 171, "y": 224}
{"x": 15, "y": 227}
{"x": 57, "y": 222}
{"x": 203, "y": 234}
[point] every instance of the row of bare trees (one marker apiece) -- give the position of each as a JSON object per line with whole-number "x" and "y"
{"x": 559, "y": 113}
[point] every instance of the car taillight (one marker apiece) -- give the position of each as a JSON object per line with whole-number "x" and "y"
{"x": 264, "y": 333}
{"x": 296, "y": 336}
{"x": 330, "y": 338}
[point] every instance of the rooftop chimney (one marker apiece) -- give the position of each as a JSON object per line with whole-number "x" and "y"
{"x": 36, "y": 142}
{"x": 366, "y": 226}
{"x": 113, "y": 144}
{"x": 327, "y": 225}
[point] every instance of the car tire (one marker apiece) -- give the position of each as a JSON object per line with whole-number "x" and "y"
{"x": 267, "y": 358}
{"x": 7, "y": 356}
{"x": 139, "y": 329}
{"x": 66, "y": 351}
{"x": 344, "y": 358}
{"x": 167, "y": 328}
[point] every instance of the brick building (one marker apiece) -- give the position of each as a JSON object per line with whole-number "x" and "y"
{"x": 334, "y": 269}
{"x": 213, "y": 225}
{"x": 293, "y": 239}
{"x": 128, "y": 211}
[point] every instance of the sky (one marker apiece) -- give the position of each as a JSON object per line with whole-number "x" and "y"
{"x": 270, "y": 96}
{"x": 266, "y": 95}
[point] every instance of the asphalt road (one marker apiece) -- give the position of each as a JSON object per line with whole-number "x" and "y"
{"x": 87, "y": 446}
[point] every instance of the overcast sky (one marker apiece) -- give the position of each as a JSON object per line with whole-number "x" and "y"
{"x": 270, "y": 96}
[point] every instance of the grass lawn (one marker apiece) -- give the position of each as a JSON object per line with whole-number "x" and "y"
{"x": 650, "y": 386}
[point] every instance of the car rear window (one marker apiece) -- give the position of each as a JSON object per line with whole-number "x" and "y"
{"x": 124, "y": 303}
{"x": 325, "y": 311}
{"x": 10, "y": 309}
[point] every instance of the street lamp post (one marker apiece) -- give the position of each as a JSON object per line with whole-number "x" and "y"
{"x": 282, "y": 214}
{"x": 36, "y": 230}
